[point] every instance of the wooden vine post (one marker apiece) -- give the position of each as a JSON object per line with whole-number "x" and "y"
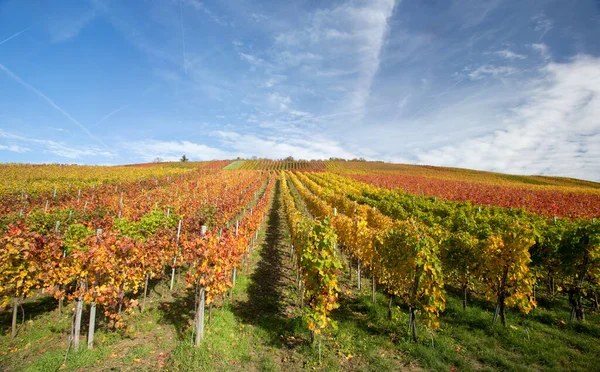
{"x": 175, "y": 255}
{"x": 200, "y": 317}
{"x": 78, "y": 315}
{"x": 92, "y": 323}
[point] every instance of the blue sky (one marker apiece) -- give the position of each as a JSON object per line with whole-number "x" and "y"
{"x": 509, "y": 86}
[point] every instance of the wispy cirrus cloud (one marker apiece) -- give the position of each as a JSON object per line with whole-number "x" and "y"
{"x": 542, "y": 49}
{"x": 202, "y": 7}
{"x": 492, "y": 70}
{"x": 280, "y": 147}
{"x": 229, "y": 145}
{"x": 351, "y": 34}
{"x": 14, "y": 148}
{"x": 542, "y": 24}
{"x": 54, "y": 147}
{"x": 554, "y": 131}
{"x": 62, "y": 130}
{"x": 253, "y": 60}
{"x": 148, "y": 150}
{"x": 509, "y": 54}
{"x": 64, "y": 28}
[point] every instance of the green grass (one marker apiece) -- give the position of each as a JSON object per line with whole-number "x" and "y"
{"x": 523, "y": 179}
{"x": 228, "y": 343}
{"x": 237, "y": 164}
{"x": 467, "y": 340}
{"x": 365, "y": 339}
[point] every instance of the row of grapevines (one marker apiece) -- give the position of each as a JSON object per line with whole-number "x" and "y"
{"x": 52, "y": 185}
{"x": 101, "y": 269}
{"x": 547, "y": 200}
{"x": 42, "y": 180}
{"x": 313, "y": 244}
{"x": 401, "y": 255}
{"x": 502, "y": 253}
{"x": 202, "y": 195}
{"x": 214, "y": 258}
{"x": 494, "y": 264}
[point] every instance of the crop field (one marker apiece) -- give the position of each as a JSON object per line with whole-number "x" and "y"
{"x": 457, "y": 174}
{"x": 549, "y": 196}
{"x": 266, "y": 164}
{"x": 215, "y": 164}
{"x": 296, "y": 265}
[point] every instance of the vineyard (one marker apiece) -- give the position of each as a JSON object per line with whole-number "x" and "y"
{"x": 548, "y": 196}
{"x": 291, "y": 265}
{"x": 460, "y": 174}
{"x": 267, "y": 164}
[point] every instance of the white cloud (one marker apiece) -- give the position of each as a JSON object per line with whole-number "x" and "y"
{"x": 63, "y": 130}
{"x": 280, "y": 147}
{"x": 14, "y": 148}
{"x": 509, "y": 54}
{"x": 333, "y": 72}
{"x": 542, "y": 49}
{"x": 291, "y": 59}
{"x": 200, "y": 6}
{"x": 555, "y": 131}
{"x": 403, "y": 102}
{"x": 299, "y": 113}
{"x": 473, "y": 13}
{"x": 73, "y": 152}
{"x": 491, "y": 70}
{"x": 257, "y": 17}
{"x": 62, "y": 30}
{"x": 59, "y": 148}
{"x": 542, "y": 24}
{"x": 148, "y": 150}
{"x": 279, "y": 101}
{"x": 349, "y": 35}
{"x": 254, "y": 60}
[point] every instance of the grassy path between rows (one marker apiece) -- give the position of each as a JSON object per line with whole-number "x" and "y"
{"x": 262, "y": 328}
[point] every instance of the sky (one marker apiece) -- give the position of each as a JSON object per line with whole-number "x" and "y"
{"x": 502, "y": 85}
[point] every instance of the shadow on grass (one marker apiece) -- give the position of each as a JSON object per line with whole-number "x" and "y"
{"x": 363, "y": 315}
{"x": 265, "y": 305}
{"x": 177, "y": 312}
{"x": 32, "y": 308}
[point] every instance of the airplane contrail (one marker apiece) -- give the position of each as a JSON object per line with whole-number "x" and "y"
{"x": 107, "y": 116}
{"x": 15, "y": 35}
{"x": 434, "y": 98}
{"x": 51, "y": 102}
{"x": 342, "y": 113}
